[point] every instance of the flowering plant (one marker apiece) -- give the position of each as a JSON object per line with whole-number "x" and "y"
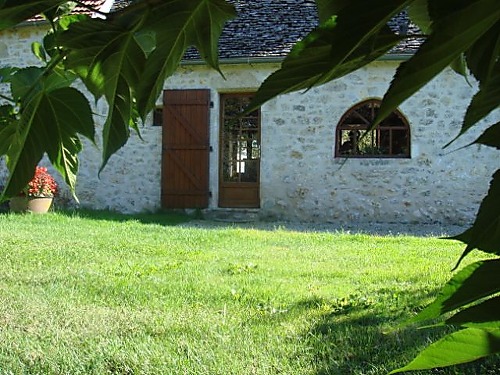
{"x": 41, "y": 185}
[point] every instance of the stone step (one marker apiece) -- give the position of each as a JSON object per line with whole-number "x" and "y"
{"x": 235, "y": 215}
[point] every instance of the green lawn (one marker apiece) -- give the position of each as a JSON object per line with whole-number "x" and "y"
{"x": 115, "y": 294}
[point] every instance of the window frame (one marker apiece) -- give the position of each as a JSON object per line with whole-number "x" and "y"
{"x": 375, "y": 134}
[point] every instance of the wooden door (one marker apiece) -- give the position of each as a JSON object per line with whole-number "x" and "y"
{"x": 239, "y": 166}
{"x": 185, "y": 149}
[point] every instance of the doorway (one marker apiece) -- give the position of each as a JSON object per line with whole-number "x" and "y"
{"x": 239, "y": 155}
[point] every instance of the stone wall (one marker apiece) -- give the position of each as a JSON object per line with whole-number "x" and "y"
{"x": 300, "y": 177}
{"x": 302, "y": 180}
{"x": 131, "y": 180}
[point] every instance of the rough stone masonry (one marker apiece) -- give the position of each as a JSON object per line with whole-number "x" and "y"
{"x": 301, "y": 180}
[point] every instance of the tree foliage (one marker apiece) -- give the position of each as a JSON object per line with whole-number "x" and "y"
{"x": 462, "y": 34}
{"x": 126, "y": 56}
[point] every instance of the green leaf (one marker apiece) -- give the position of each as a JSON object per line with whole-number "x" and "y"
{"x": 38, "y": 51}
{"x": 483, "y": 315}
{"x": 179, "y": 25}
{"x": 356, "y": 36}
{"x": 460, "y": 347}
{"x": 482, "y": 56}
{"x": 452, "y": 35}
{"x": 94, "y": 45}
{"x": 110, "y": 64}
{"x": 127, "y": 57}
{"x": 7, "y": 73}
{"x": 6, "y": 114}
{"x": 310, "y": 66}
{"x": 49, "y": 123}
{"x": 329, "y": 8}
{"x": 66, "y": 113}
{"x": 491, "y": 136}
{"x": 50, "y": 43}
{"x": 7, "y": 137}
{"x": 24, "y": 81}
{"x": 485, "y": 101}
{"x": 485, "y": 232}
{"x": 7, "y": 128}
{"x": 29, "y": 81}
{"x": 419, "y": 14}
{"x": 146, "y": 40}
{"x": 459, "y": 65}
{"x": 474, "y": 282}
{"x": 13, "y": 12}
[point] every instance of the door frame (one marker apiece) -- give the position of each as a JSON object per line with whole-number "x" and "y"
{"x": 237, "y": 194}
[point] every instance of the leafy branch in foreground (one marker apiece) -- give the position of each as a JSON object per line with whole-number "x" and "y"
{"x": 471, "y": 296}
{"x": 466, "y": 36}
{"x": 47, "y": 118}
{"x": 124, "y": 58}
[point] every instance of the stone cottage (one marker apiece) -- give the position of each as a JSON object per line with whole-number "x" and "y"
{"x": 300, "y": 156}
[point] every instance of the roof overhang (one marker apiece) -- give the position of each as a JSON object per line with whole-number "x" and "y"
{"x": 279, "y": 60}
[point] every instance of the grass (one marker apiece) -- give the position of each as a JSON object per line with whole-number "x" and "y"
{"x": 101, "y": 293}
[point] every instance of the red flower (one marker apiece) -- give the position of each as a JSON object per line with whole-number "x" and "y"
{"x": 41, "y": 185}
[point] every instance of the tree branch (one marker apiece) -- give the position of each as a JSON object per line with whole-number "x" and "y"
{"x": 7, "y": 98}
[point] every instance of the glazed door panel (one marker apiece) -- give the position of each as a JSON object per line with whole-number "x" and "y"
{"x": 239, "y": 166}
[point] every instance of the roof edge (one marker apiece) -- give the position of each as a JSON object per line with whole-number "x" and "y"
{"x": 279, "y": 59}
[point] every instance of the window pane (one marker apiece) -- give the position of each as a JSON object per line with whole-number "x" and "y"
{"x": 249, "y": 123}
{"x": 385, "y": 141}
{"x": 230, "y": 173}
{"x": 349, "y": 142}
{"x": 392, "y": 120}
{"x": 367, "y": 145}
{"x": 230, "y": 125}
{"x": 365, "y": 114}
{"x": 249, "y": 172}
{"x": 242, "y": 153}
{"x": 255, "y": 149}
{"x": 234, "y": 106}
{"x": 400, "y": 144}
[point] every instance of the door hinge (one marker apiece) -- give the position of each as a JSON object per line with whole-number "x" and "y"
{"x": 211, "y": 149}
{"x": 211, "y": 104}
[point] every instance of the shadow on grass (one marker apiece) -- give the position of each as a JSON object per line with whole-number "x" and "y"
{"x": 358, "y": 336}
{"x": 163, "y": 218}
{"x": 378, "y": 229}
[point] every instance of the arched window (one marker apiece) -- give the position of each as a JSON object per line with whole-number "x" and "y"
{"x": 390, "y": 139}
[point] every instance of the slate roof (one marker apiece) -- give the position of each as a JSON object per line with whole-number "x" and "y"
{"x": 269, "y": 28}
{"x": 266, "y": 28}
{"x": 402, "y": 25}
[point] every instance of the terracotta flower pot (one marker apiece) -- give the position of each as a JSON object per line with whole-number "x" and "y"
{"x": 36, "y": 205}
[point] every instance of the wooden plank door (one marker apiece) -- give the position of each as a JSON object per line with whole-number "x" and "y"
{"x": 239, "y": 166}
{"x": 185, "y": 149}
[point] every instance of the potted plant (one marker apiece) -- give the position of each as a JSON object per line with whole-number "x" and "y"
{"x": 37, "y": 196}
